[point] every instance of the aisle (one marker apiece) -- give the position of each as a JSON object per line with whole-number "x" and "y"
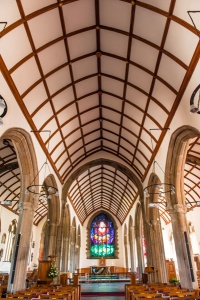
{"x": 103, "y": 290}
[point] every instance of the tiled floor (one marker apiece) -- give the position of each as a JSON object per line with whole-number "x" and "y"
{"x": 103, "y": 287}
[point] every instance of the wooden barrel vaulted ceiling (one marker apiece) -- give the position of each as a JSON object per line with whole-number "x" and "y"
{"x": 99, "y": 74}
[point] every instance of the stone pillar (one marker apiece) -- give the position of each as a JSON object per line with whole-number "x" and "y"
{"x": 24, "y": 229}
{"x": 50, "y": 240}
{"x": 158, "y": 254}
{"x": 179, "y": 226}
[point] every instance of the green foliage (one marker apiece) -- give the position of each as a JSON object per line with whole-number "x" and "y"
{"x": 174, "y": 280}
{"x": 53, "y": 271}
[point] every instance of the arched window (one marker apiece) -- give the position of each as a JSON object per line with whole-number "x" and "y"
{"x": 102, "y": 237}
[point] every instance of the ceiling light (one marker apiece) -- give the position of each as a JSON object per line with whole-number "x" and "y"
{"x": 2, "y": 103}
{"x": 193, "y": 109}
{"x": 3, "y": 109}
{"x": 44, "y": 190}
{"x": 153, "y": 205}
{"x": 159, "y": 189}
{"x": 1, "y": 121}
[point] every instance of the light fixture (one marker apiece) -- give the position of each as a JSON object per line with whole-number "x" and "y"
{"x": 45, "y": 191}
{"x": 156, "y": 204}
{"x": 3, "y": 109}
{"x": 8, "y": 202}
{"x": 159, "y": 189}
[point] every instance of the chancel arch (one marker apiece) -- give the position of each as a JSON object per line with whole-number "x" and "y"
{"x": 175, "y": 163}
{"x": 25, "y": 151}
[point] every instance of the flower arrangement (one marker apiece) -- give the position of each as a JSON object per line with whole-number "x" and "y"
{"x": 53, "y": 271}
{"x": 174, "y": 280}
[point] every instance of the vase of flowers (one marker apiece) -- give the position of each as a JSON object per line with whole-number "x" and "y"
{"x": 53, "y": 271}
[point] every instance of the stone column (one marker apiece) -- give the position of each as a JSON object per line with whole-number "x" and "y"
{"x": 24, "y": 229}
{"x": 183, "y": 249}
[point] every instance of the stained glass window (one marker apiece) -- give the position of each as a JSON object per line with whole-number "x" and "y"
{"x": 102, "y": 236}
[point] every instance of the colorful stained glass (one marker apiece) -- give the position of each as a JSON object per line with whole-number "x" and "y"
{"x": 102, "y": 236}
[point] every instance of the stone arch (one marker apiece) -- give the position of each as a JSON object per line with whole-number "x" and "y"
{"x": 154, "y": 242}
{"x": 73, "y": 245}
{"x": 53, "y": 219}
{"x": 126, "y": 245}
{"x": 66, "y": 239}
{"x": 131, "y": 237}
{"x": 27, "y": 160}
{"x": 139, "y": 239}
{"x": 88, "y": 242}
{"x": 176, "y": 157}
{"x": 82, "y": 169}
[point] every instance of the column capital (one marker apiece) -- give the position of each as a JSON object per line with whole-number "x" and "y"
{"x": 177, "y": 208}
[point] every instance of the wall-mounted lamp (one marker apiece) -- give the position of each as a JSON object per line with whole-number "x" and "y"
{"x": 156, "y": 204}
{"x": 8, "y": 202}
{"x": 3, "y": 109}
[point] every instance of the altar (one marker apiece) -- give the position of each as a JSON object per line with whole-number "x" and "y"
{"x": 102, "y": 270}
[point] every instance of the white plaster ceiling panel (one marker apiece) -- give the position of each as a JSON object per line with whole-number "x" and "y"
{"x": 183, "y": 44}
{"x": 88, "y": 102}
{"x": 111, "y": 126}
{"x": 130, "y": 125}
{"x": 92, "y": 146}
{"x": 127, "y": 145}
{"x": 73, "y": 137}
{"x": 149, "y": 25}
{"x": 133, "y": 113}
{"x": 58, "y": 80}
{"x": 63, "y": 98}
{"x": 78, "y": 45}
{"x": 139, "y": 169}
{"x": 43, "y": 115}
{"x": 142, "y": 159}
{"x": 120, "y": 14}
{"x": 84, "y": 67}
{"x": 113, "y": 66}
{"x": 52, "y": 57}
{"x": 70, "y": 126}
{"x": 74, "y": 147}
{"x": 128, "y": 136}
{"x": 84, "y": 12}
{"x": 54, "y": 141}
{"x": 63, "y": 169}
{"x": 160, "y": 115}
{"x": 67, "y": 114}
{"x": 171, "y": 72}
{"x": 119, "y": 45}
{"x": 86, "y": 86}
{"x": 22, "y": 76}
{"x": 112, "y": 102}
{"x": 52, "y": 126}
{"x": 164, "y": 5}
{"x": 9, "y": 12}
{"x": 113, "y": 137}
{"x": 32, "y": 5}
{"x": 142, "y": 80}
{"x": 110, "y": 145}
{"x": 113, "y": 86}
{"x": 60, "y": 149}
{"x": 136, "y": 97}
{"x": 43, "y": 30}
{"x": 124, "y": 153}
{"x": 111, "y": 115}
{"x": 149, "y": 123}
{"x": 144, "y": 55}
{"x": 163, "y": 94}
{"x": 86, "y": 117}
{"x": 91, "y": 137}
{"x": 35, "y": 97}
{"x": 11, "y": 41}
{"x": 87, "y": 128}
{"x": 181, "y": 8}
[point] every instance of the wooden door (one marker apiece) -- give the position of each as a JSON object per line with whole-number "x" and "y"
{"x": 171, "y": 269}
